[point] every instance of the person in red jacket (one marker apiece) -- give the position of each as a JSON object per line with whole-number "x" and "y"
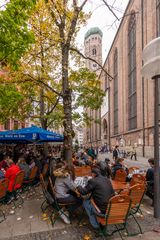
{"x": 11, "y": 173}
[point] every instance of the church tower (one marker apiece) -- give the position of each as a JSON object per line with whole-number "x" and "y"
{"x": 93, "y": 48}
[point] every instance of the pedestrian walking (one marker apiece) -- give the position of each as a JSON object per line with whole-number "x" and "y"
{"x": 116, "y": 153}
{"x": 134, "y": 154}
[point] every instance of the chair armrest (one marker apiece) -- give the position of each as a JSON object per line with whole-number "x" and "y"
{"x": 124, "y": 192}
{"x": 95, "y": 206}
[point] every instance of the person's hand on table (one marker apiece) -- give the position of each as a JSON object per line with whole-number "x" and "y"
{"x": 77, "y": 192}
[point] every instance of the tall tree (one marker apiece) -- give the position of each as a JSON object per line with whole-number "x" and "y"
{"x": 66, "y": 16}
{"x": 52, "y": 62}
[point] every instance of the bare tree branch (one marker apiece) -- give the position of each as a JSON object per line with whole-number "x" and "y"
{"x": 72, "y": 26}
{"x": 3, "y": 5}
{"x": 91, "y": 59}
{"x": 110, "y": 9}
{"x": 53, "y": 107}
{"x": 77, "y": 10}
{"x": 82, "y": 5}
{"x": 50, "y": 123}
{"x": 32, "y": 79}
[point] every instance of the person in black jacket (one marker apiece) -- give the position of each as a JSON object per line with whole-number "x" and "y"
{"x": 116, "y": 153}
{"x": 101, "y": 191}
{"x": 150, "y": 179}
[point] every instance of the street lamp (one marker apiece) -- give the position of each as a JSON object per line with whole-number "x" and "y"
{"x": 151, "y": 69}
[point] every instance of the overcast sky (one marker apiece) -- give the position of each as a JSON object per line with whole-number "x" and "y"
{"x": 104, "y": 19}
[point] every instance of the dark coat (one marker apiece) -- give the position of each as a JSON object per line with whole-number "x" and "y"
{"x": 101, "y": 191}
{"x": 150, "y": 176}
{"x": 91, "y": 152}
{"x": 115, "y": 153}
{"x": 150, "y": 183}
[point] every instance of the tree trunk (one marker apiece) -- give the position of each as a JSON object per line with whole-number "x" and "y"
{"x": 43, "y": 121}
{"x": 42, "y": 108}
{"x": 67, "y": 106}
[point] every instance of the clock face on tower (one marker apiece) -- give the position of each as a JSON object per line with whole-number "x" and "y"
{"x": 94, "y": 65}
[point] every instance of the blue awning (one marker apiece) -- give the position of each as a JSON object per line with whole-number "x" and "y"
{"x": 31, "y": 134}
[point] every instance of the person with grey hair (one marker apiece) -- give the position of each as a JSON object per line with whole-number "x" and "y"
{"x": 105, "y": 167}
{"x": 65, "y": 188}
{"x": 24, "y": 167}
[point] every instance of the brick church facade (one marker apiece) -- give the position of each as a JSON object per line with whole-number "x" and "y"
{"x": 130, "y": 116}
{"x": 127, "y": 114}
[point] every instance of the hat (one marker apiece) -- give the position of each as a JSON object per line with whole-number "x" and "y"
{"x": 107, "y": 160}
{"x": 96, "y": 171}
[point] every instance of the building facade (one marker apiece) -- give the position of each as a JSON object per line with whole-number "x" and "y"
{"x": 11, "y": 124}
{"x": 78, "y": 130}
{"x": 129, "y": 119}
{"x": 93, "y": 49}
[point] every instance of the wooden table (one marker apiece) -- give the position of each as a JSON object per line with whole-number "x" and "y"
{"x": 118, "y": 186}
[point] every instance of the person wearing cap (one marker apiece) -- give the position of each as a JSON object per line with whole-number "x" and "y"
{"x": 101, "y": 191}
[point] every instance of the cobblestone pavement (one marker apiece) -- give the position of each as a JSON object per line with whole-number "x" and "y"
{"x": 32, "y": 227}
{"x": 75, "y": 233}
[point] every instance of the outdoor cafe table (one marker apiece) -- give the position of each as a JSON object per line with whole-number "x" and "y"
{"x": 118, "y": 186}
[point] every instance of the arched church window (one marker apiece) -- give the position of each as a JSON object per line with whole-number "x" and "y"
{"x": 94, "y": 51}
{"x": 132, "y": 78}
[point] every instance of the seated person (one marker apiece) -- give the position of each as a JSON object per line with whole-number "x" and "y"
{"x": 31, "y": 163}
{"x": 65, "y": 187}
{"x": 1, "y": 175}
{"x": 24, "y": 167}
{"x": 101, "y": 191}
{"x": 119, "y": 165}
{"x": 150, "y": 179}
{"x": 3, "y": 163}
{"x": 75, "y": 160}
{"x": 11, "y": 173}
{"x": 91, "y": 152}
{"x": 91, "y": 161}
{"x": 38, "y": 163}
{"x": 53, "y": 167}
{"x": 84, "y": 157}
{"x": 105, "y": 168}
